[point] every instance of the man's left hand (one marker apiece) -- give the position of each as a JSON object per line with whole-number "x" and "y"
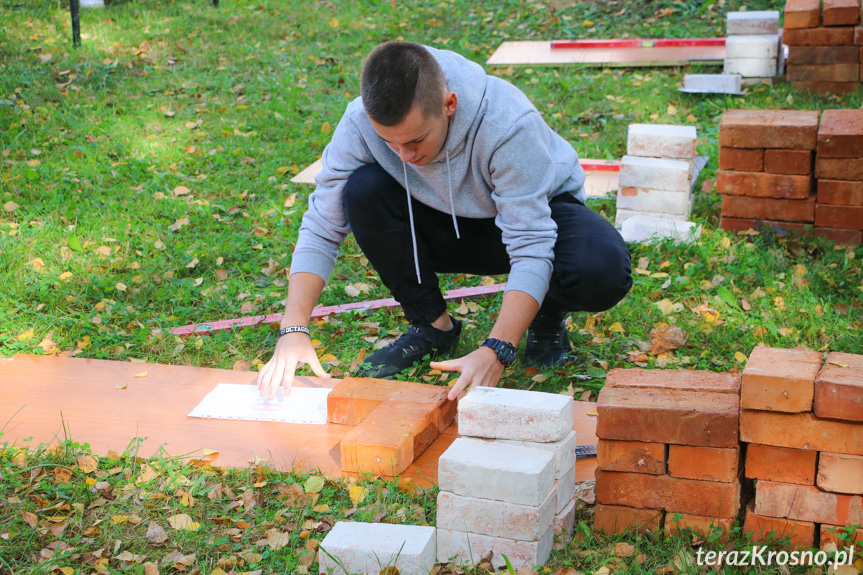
{"x": 480, "y": 367}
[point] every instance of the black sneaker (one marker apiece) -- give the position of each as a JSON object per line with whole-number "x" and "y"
{"x": 411, "y": 347}
{"x": 547, "y": 344}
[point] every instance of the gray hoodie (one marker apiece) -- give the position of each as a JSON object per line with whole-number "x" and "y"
{"x": 500, "y": 160}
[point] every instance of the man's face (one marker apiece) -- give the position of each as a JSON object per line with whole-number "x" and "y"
{"x": 419, "y": 138}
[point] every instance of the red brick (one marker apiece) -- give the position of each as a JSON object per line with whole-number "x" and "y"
{"x": 631, "y": 456}
{"x": 777, "y": 379}
{"x": 843, "y": 36}
{"x": 706, "y": 498}
{"x": 703, "y": 527}
{"x": 841, "y": 12}
{"x": 845, "y": 237}
{"x": 801, "y": 534}
{"x": 780, "y": 464}
{"x": 614, "y": 519}
{"x": 843, "y": 217}
{"x": 788, "y": 161}
{"x": 704, "y": 463}
{"x": 802, "y": 14}
{"x": 823, "y": 55}
{"x": 679, "y": 379}
{"x": 801, "y": 431}
{"x": 829, "y": 534}
{"x": 769, "y": 209}
{"x": 825, "y": 87}
{"x": 741, "y": 159}
{"x": 355, "y": 397}
{"x": 839, "y": 168}
{"x": 839, "y": 389}
{"x": 763, "y": 185}
{"x": 840, "y": 192}
{"x": 824, "y": 73}
{"x": 389, "y": 438}
{"x": 743, "y": 224}
{"x": 858, "y": 35}
{"x": 840, "y": 473}
{"x": 668, "y": 416}
{"x": 784, "y": 129}
{"x": 805, "y": 503}
{"x": 840, "y": 134}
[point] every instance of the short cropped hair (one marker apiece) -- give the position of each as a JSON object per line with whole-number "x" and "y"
{"x": 396, "y": 77}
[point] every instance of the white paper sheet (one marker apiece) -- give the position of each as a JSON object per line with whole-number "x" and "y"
{"x": 234, "y": 401}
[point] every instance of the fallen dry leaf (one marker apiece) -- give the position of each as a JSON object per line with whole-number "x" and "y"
{"x": 665, "y": 337}
{"x": 183, "y": 522}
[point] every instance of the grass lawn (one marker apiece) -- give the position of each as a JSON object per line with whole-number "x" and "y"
{"x": 144, "y": 179}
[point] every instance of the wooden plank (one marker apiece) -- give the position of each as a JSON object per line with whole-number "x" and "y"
{"x": 42, "y": 395}
{"x": 537, "y": 53}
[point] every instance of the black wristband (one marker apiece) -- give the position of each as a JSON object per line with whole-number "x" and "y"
{"x": 294, "y": 329}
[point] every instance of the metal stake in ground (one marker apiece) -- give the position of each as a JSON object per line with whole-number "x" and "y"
{"x": 75, "y": 8}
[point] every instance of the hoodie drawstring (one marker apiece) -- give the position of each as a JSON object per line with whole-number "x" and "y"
{"x": 411, "y": 218}
{"x": 411, "y": 213}
{"x": 451, "y": 203}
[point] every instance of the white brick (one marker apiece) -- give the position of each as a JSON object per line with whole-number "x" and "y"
{"x": 368, "y": 548}
{"x": 661, "y": 141}
{"x": 712, "y": 83}
{"x": 654, "y": 201}
{"x": 751, "y": 67}
{"x": 646, "y": 228}
{"x": 495, "y": 518}
{"x": 623, "y": 215}
{"x": 565, "y": 487}
{"x": 468, "y": 548}
{"x": 498, "y": 413}
{"x": 654, "y": 174}
{"x": 492, "y": 470}
{"x": 751, "y": 23}
{"x": 749, "y": 47}
{"x": 564, "y": 522}
{"x": 91, "y": 4}
{"x": 563, "y": 451}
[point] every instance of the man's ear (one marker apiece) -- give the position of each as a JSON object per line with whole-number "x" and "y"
{"x": 450, "y": 103}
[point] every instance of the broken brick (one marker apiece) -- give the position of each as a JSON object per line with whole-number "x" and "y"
{"x": 805, "y": 503}
{"x": 840, "y": 473}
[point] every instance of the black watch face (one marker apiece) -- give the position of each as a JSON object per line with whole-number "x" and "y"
{"x": 506, "y": 355}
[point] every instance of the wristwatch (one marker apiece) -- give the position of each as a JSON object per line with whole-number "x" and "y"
{"x": 504, "y": 350}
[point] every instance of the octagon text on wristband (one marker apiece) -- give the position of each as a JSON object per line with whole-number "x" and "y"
{"x": 294, "y": 329}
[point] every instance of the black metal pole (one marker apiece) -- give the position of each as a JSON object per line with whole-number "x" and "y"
{"x": 216, "y": 3}
{"x": 74, "y": 6}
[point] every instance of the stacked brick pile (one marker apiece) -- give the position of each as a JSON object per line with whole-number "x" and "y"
{"x": 395, "y": 422}
{"x": 804, "y": 426}
{"x": 766, "y": 168}
{"x": 839, "y": 169}
{"x": 753, "y": 45}
{"x": 668, "y": 444}
{"x": 507, "y": 496}
{"x": 824, "y": 48}
{"x": 769, "y": 161}
{"x": 656, "y": 172}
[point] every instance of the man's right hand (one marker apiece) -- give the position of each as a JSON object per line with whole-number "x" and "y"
{"x": 292, "y": 350}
